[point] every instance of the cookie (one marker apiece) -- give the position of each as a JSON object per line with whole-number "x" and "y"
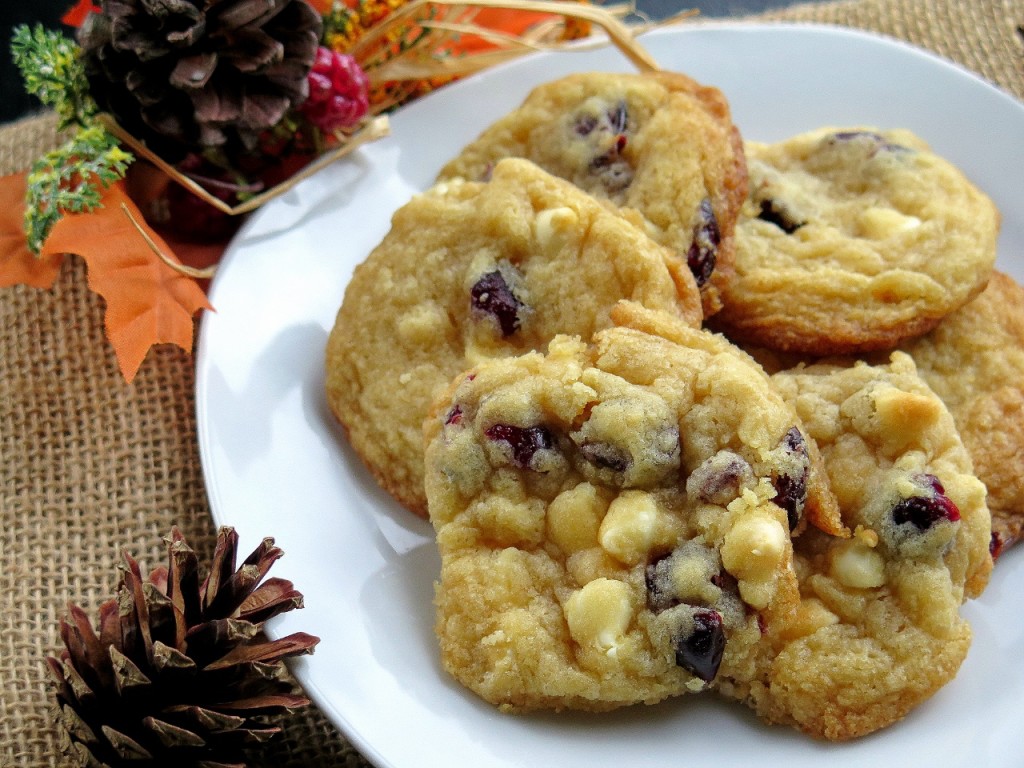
{"x": 974, "y": 360}
{"x": 854, "y": 240}
{"x": 472, "y": 270}
{"x": 659, "y": 145}
{"x": 878, "y": 628}
{"x": 613, "y": 519}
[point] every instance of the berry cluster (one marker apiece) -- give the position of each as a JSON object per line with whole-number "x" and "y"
{"x": 338, "y": 92}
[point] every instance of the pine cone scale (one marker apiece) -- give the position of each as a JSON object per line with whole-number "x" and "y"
{"x": 127, "y": 675}
{"x": 85, "y": 652}
{"x": 208, "y": 719}
{"x": 216, "y": 105}
{"x": 252, "y": 51}
{"x": 172, "y": 736}
{"x": 269, "y": 599}
{"x": 205, "y": 642}
{"x": 161, "y": 10}
{"x": 285, "y": 701}
{"x": 75, "y": 726}
{"x": 221, "y": 566}
{"x": 267, "y": 653}
{"x": 237, "y": 587}
{"x": 74, "y": 686}
{"x": 240, "y": 13}
{"x": 124, "y": 746}
{"x": 194, "y": 72}
{"x": 168, "y": 659}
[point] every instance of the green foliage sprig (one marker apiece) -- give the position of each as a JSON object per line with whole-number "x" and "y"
{"x": 67, "y": 179}
{"x": 53, "y": 71}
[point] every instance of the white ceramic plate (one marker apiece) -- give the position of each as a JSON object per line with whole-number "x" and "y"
{"x": 276, "y": 464}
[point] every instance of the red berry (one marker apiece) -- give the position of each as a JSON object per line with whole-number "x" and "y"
{"x": 338, "y": 91}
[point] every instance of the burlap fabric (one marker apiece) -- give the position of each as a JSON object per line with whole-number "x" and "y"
{"x": 90, "y": 465}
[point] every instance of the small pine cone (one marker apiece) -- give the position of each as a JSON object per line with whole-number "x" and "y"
{"x": 178, "y": 673}
{"x": 186, "y": 75}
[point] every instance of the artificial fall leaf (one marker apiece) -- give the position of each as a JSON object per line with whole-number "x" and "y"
{"x": 148, "y": 302}
{"x": 324, "y": 7}
{"x": 510, "y": 21}
{"x": 18, "y": 265}
{"x": 76, "y": 15}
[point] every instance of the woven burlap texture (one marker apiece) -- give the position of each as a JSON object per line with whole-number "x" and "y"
{"x": 90, "y": 466}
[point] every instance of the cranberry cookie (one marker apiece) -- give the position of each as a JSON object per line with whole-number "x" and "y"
{"x": 974, "y": 360}
{"x": 474, "y": 270}
{"x": 854, "y": 240}
{"x": 878, "y": 628}
{"x": 659, "y": 145}
{"x": 614, "y": 519}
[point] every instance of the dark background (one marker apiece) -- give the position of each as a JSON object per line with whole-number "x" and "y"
{"x": 15, "y": 103}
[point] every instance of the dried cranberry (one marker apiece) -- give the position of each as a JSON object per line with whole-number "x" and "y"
{"x": 850, "y": 135}
{"x": 584, "y": 125}
{"x": 606, "y": 456}
{"x": 930, "y": 480}
{"x": 762, "y": 624}
{"x": 454, "y": 416}
{"x": 697, "y": 560}
{"x": 658, "y": 579}
{"x": 618, "y": 118}
{"x": 924, "y": 511}
{"x": 791, "y": 482}
{"x": 524, "y": 441}
{"x": 700, "y": 651}
{"x": 614, "y": 172}
{"x": 492, "y": 295}
{"x": 707, "y": 236}
{"x": 607, "y": 132}
{"x": 720, "y": 478}
{"x": 995, "y": 545}
{"x": 776, "y": 214}
{"x": 878, "y": 140}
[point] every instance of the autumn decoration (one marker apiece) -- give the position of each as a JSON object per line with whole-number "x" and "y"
{"x": 178, "y": 671}
{"x": 199, "y": 111}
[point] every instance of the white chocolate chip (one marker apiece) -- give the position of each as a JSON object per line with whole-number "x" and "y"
{"x": 880, "y": 223}
{"x": 574, "y": 517}
{"x": 631, "y": 527}
{"x": 551, "y": 224}
{"x": 856, "y": 565}
{"x": 599, "y": 614}
{"x": 900, "y": 413}
{"x": 754, "y": 548}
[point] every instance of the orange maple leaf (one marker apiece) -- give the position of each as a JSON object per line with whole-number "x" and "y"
{"x": 148, "y": 302}
{"x": 323, "y": 7}
{"x": 77, "y": 14}
{"x": 18, "y": 265}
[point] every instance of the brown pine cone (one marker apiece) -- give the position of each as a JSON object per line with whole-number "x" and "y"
{"x": 187, "y": 75}
{"x": 178, "y": 673}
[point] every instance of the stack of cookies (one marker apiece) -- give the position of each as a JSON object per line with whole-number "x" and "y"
{"x": 691, "y": 414}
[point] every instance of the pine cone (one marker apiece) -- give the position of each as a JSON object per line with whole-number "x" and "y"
{"x": 185, "y": 75}
{"x": 179, "y": 674}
